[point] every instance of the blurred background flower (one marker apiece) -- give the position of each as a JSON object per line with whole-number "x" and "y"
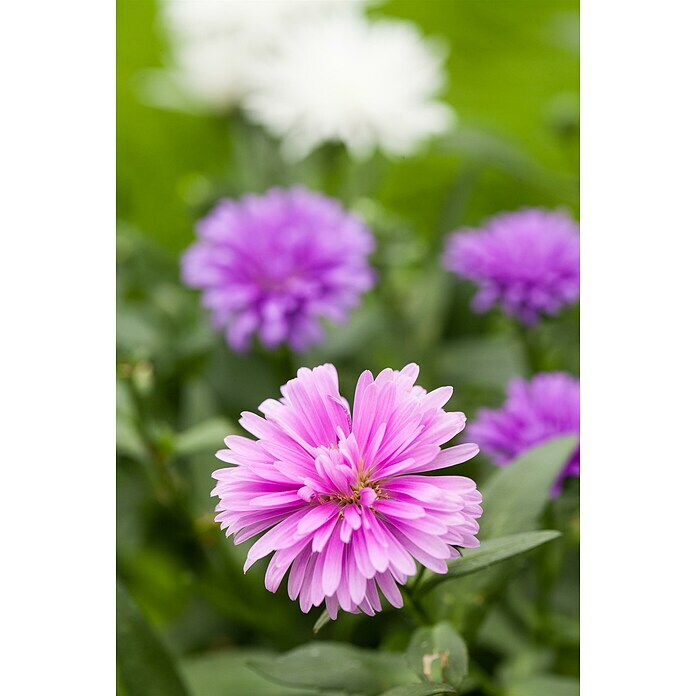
{"x": 215, "y": 44}
{"x": 527, "y": 261}
{"x": 275, "y": 264}
{"x": 367, "y": 84}
{"x": 546, "y": 406}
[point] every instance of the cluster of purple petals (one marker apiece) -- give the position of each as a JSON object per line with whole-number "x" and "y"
{"x": 528, "y": 262}
{"x": 341, "y": 499}
{"x": 274, "y": 265}
{"x": 546, "y": 406}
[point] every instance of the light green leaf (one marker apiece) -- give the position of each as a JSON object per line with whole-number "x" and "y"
{"x": 489, "y": 553}
{"x": 515, "y": 496}
{"x": 128, "y": 440}
{"x": 420, "y": 690}
{"x": 544, "y": 685}
{"x": 207, "y": 436}
{"x": 227, "y": 672}
{"x": 483, "y": 361}
{"x": 336, "y": 666}
{"x": 438, "y": 653}
{"x": 145, "y": 668}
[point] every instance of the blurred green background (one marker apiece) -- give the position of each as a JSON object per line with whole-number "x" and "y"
{"x": 514, "y": 82}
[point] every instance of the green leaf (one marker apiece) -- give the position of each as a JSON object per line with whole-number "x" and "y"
{"x": 336, "y": 666}
{"x": 482, "y": 361}
{"x": 207, "y": 436}
{"x": 128, "y": 440}
{"x": 489, "y": 553}
{"x": 564, "y": 630}
{"x": 145, "y": 667}
{"x": 438, "y": 653}
{"x": 227, "y": 672}
{"x": 420, "y": 690}
{"x": 515, "y": 496}
{"x": 513, "y": 499}
{"x": 544, "y": 685}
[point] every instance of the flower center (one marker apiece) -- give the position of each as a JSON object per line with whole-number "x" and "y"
{"x": 363, "y": 492}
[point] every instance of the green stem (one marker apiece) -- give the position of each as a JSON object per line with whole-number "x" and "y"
{"x": 417, "y": 581}
{"x": 417, "y": 609}
{"x": 531, "y": 350}
{"x": 334, "y": 161}
{"x": 283, "y": 363}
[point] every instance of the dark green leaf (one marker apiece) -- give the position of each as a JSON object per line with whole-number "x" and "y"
{"x": 420, "y": 690}
{"x": 145, "y": 667}
{"x": 513, "y": 500}
{"x": 438, "y": 653}
{"x": 489, "y": 553}
{"x": 515, "y": 496}
{"x": 335, "y": 666}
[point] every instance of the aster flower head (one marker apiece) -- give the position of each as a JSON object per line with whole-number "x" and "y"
{"x": 275, "y": 264}
{"x": 527, "y": 261}
{"x": 342, "y": 78}
{"x": 340, "y": 498}
{"x": 216, "y": 43}
{"x": 546, "y": 406}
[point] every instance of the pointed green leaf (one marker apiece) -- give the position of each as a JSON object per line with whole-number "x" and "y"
{"x": 145, "y": 667}
{"x": 489, "y": 553}
{"x": 206, "y": 437}
{"x": 335, "y": 666}
{"x": 438, "y": 653}
{"x": 515, "y": 496}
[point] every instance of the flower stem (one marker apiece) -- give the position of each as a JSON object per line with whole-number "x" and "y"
{"x": 417, "y": 609}
{"x": 417, "y": 580}
{"x": 531, "y": 351}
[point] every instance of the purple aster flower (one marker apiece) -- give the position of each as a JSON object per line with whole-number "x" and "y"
{"x": 546, "y": 406}
{"x": 274, "y": 264}
{"x": 528, "y": 261}
{"x": 341, "y": 499}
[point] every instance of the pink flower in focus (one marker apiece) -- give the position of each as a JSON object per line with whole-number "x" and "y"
{"x": 343, "y": 503}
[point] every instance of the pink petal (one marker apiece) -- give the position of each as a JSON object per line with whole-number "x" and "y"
{"x": 389, "y": 589}
{"x": 397, "y": 508}
{"x": 449, "y": 457}
{"x": 333, "y": 563}
{"x": 316, "y": 517}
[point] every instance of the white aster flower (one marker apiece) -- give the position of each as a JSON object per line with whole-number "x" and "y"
{"x": 216, "y": 43}
{"x": 343, "y": 78}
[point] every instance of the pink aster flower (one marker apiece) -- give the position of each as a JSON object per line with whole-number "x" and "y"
{"x": 527, "y": 261}
{"x": 342, "y": 500}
